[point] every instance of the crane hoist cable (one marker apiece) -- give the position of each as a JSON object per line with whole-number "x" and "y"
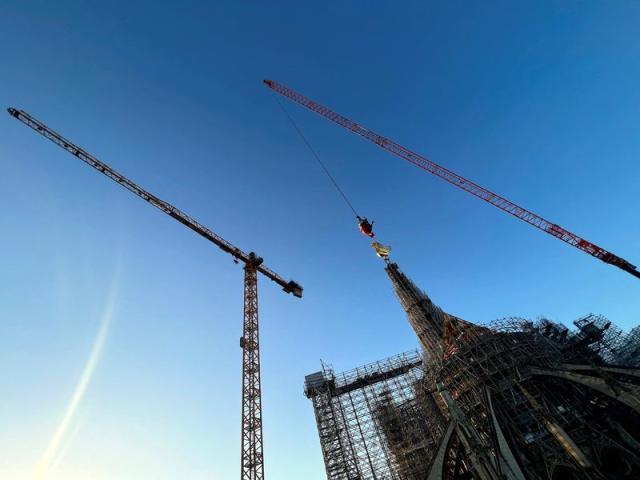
{"x": 365, "y": 226}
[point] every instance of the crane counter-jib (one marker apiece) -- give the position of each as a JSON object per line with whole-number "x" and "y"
{"x": 247, "y": 258}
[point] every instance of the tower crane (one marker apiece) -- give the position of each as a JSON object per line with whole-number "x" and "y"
{"x": 252, "y": 460}
{"x": 458, "y": 181}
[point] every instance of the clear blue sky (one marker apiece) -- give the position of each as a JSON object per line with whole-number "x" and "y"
{"x": 538, "y": 101}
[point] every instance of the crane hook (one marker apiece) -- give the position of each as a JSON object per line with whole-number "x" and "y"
{"x": 365, "y": 226}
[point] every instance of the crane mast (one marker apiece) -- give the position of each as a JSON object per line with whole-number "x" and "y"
{"x": 252, "y": 459}
{"x": 457, "y": 180}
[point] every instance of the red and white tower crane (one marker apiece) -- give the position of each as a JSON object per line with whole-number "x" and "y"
{"x": 458, "y": 181}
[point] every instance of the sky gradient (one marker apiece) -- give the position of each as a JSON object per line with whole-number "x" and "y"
{"x": 537, "y": 101}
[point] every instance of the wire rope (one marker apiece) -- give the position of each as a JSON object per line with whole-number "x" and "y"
{"x": 317, "y": 157}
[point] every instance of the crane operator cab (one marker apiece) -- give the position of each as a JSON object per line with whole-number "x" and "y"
{"x": 366, "y": 227}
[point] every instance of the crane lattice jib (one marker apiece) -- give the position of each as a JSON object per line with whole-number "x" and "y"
{"x": 458, "y": 181}
{"x": 247, "y": 258}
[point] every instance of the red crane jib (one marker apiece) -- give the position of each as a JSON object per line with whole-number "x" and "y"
{"x": 458, "y": 181}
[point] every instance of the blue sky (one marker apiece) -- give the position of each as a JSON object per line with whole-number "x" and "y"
{"x": 535, "y": 100}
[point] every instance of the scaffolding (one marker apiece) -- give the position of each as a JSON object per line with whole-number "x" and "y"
{"x": 358, "y": 411}
{"x": 501, "y": 382}
{"x": 557, "y": 394}
{"x": 514, "y": 399}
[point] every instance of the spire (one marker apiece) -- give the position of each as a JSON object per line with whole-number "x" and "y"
{"x": 426, "y": 318}
{"x": 440, "y": 333}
